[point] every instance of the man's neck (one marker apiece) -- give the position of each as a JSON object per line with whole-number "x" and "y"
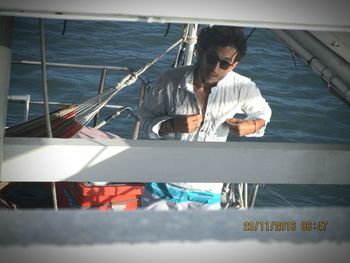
{"x": 198, "y": 83}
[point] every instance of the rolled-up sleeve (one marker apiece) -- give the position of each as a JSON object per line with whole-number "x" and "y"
{"x": 255, "y": 107}
{"x": 154, "y": 110}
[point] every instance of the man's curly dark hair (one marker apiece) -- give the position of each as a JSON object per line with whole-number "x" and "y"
{"x": 222, "y": 36}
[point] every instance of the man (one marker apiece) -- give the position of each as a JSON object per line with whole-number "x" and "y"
{"x": 197, "y": 103}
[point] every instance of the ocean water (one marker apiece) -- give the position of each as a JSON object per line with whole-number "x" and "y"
{"x": 304, "y": 111}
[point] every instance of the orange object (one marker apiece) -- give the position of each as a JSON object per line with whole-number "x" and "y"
{"x": 113, "y": 196}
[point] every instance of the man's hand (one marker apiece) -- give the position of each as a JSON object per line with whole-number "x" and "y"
{"x": 243, "y": 127}
{"x": 187, "y": 124}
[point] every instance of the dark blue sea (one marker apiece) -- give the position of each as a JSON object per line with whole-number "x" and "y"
{"x": 304, "y": 110}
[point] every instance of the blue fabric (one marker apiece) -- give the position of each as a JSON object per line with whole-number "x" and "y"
{"x": 178, "y": 194}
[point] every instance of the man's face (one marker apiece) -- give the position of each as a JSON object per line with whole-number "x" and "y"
{"x": 214, "y": 64}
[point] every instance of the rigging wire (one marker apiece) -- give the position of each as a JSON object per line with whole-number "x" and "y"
{"x": 96, "y": 103}
{"x": 293, "y": 57}
{"x": 64, "y": 27}
{"x": 279, "y": 196}
{"x": 167, "y": 30}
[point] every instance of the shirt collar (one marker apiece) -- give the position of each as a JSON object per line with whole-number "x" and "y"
{"x": 187, "y": 81}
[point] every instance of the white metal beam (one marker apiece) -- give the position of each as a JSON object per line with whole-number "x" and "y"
{"x": 5, "y": 68}
{"x": 42, "y": 159}
{"x": 325, "y": 63}
{"x": 299, "y": 14}
{"x": 189, "y": 236}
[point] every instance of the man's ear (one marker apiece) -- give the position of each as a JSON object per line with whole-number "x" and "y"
{"x": 235, "y": 64}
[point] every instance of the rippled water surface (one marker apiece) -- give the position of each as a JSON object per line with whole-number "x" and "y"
{"x": 304, "y": 111}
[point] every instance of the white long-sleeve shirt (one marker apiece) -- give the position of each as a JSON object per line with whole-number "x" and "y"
{"x": 173, "y": 94}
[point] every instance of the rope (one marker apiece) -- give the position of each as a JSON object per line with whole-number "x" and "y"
{"x": 66, "y": 122}
{"x": 46, "y": 100}
{"x": 191, "y": 40}
{"x": 95, "y": 104}
{"x": 182, "y": 47}
{"x": 246, "y": 196}
{"x": 240, "y": 191}
{"x": 253, "y": 195}
{"x": 158, "y": 58}
{"x": 44, "y": 79}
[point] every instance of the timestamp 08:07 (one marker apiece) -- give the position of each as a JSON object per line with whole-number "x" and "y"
{"x": 284, "y": 226}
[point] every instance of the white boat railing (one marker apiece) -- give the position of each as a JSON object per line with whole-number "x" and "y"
{"x": 166, "y": 161}
{"x": 26, "y": 99}
{"x": 129, "y": 237}
{"x": 325, "y": 62}
{"x": 309, "y": 15}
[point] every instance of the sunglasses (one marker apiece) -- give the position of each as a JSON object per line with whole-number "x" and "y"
{"x": 213, "y": 59}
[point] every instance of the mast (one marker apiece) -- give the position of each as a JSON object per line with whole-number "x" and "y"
{"x": 191, "y": 40}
